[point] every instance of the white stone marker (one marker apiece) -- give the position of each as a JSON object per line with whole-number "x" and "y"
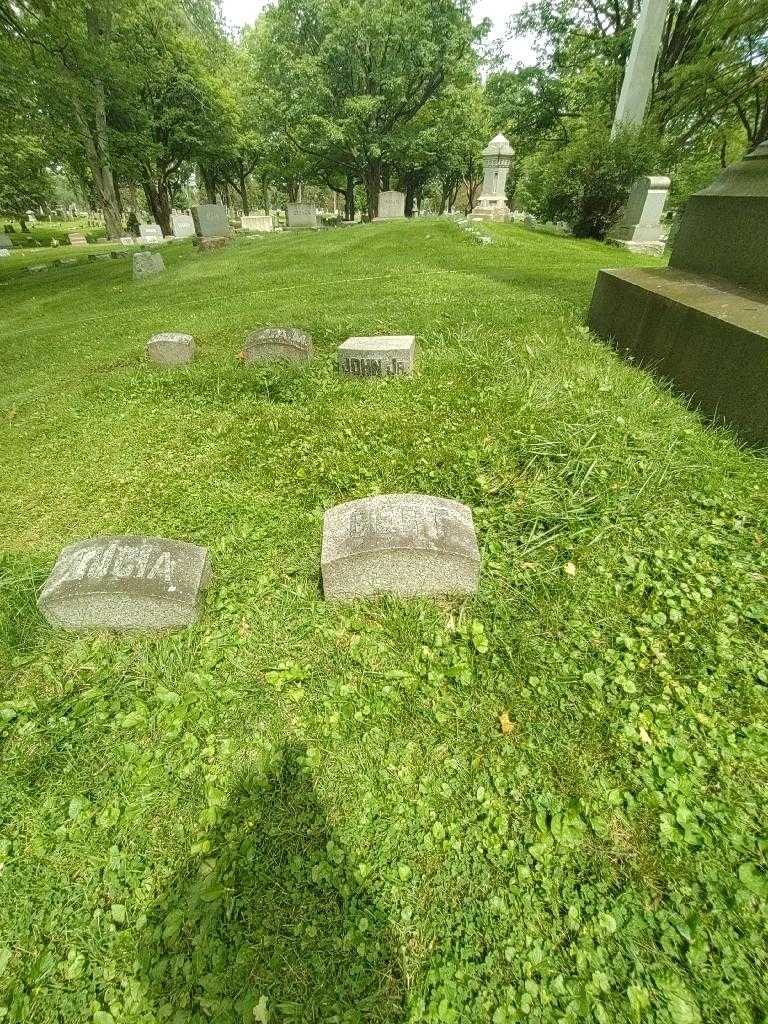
{"x": 273, "y": 343}
{"x": 382, "y": 356}
{"x": 402, "y": 544}
{"x": 257, "y": 223}
{"x": 150, "y": 232}
{"x": 77, "y": 238}
{"x": 127, "y": 240}
{"x": 171, "y": 349}
{"x": 391, "y": 205}
{"x": 128, "y": 582}
{"x": 145, "y": 264}
{"x": 301, "y": 215}
{"x": 182, "y": 225}
{"x": 639, "y": 229}
{"x": 497, "y": 160}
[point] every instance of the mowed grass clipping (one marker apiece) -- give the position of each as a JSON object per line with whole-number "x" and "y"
{"x": 300, "y": 811}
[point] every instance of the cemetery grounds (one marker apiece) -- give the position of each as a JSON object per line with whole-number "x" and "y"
{"x": 545, "y": 804}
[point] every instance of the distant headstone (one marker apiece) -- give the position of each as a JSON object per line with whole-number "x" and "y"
{"x": 77, "y": 238}
{"x": 639, "y": 229}
{"x": 35, "y": 268}
{"x": 150, "y": 233}
{"x": 211, "y": 220}
{"x": 257, "y": 223}
{"x": 383, "y": 356}
{"x": 274, "y": 343}
{"x": 391, "y": 205}
{"x": 129, "y": 582}
{"x": 5, "y": 241}
{"x": 402, "y": 544}
{"x": 497, "y": 161}
{"x": 117, "y": 254}
{"x": 67, "y": 261}
{"x": 301, "y": 215}
{"x": 145, "y": 264}
{"x": 183, "y": 225}
{"x": 127, "y": 240}
{"x": 171, "y": 349}
{"x": 5, "y": 252}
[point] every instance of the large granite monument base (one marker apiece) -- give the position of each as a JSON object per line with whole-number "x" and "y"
{"x": 703, "y": 323}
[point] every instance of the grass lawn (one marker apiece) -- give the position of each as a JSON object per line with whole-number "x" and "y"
{"x": 300, "y": 811}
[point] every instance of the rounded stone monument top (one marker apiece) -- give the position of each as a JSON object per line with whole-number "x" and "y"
{"x": 499, "y": 146}
{"x": 656, "y": 181}
{"x": 747, "y": 178}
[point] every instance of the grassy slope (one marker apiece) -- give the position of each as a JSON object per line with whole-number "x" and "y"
{"x": 315, "y": 804}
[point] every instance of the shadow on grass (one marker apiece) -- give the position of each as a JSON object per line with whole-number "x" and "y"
{"x": 268, "y": 922}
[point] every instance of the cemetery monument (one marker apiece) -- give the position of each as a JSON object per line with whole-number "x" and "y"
{"x": 301, "y": 215}
{"x": 171, "y": 349}
{"x": 378, "y": 356}
{"x": 391, "y": 205}
{"x": 497, "y": 161}
{"x": 145, "y": 264}
{"x": 77, "y": 238}
{"x": 257, "y": 223}
{"x": 703, "y": 322}
{"x": 639, "y": 228}
{"x": 402, "y": 544}
{"x": 211, "y": 220}
{"x": 278, "y": 343}
{"x": 150, "y": 233}
{"x": 182, "y": 225}
{"x": 126, "y": 582}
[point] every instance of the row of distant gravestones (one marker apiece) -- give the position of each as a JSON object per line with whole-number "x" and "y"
{"x": 402, "y": 544}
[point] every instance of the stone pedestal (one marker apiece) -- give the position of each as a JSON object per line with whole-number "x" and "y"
{"x": 391, "y": 205}
{"x": 301, "y": 215}
{"x": 639, "y": 229}
{"x": 257, "y": 223}
{"x": 211, "y": 220}
{"x": 497, "y": 160}
{"x": 703, "y": 323}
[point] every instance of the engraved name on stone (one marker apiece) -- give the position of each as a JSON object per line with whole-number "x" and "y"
{"x": 377, "y": 356}
{"x": 129, "y": 582}
{"x": 271, "y": 343}
{"x": 403, "y": 544}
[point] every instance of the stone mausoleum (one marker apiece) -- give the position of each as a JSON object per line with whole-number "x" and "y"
{"x": 703, "y": 321}
{"x": 497, "y": 161}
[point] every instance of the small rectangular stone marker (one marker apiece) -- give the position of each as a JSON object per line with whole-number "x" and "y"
{"x": 391, "y": 205}
{"x": 257, "y": 223}
{"x": 35, "y": 268}
{"x": 382, "y": 356}
{"x": 145, "y": 264}
{"x": 129, "y": 582}
{"x": 182, "y": 225}
{"x": 68, "y": 261}
{"x": 127, "y": 240}
{"x": 5, "y": 252}
{"x": 639, "y": 229}
{"x": 77, "y": 238}
{"x": 211, "y": 220}
{"x": 402, "y": 544}
{"x": 171, "y": 349}
{"x": 150, "y": 232}
{"x": 301, "y": 215}
{"x": 5, "y": 241}
{"x": 273, "y": 343}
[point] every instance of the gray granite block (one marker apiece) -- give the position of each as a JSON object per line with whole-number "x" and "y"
{"x": 402, "y": 544}
{"x": 171, "y": 349}
{"x": 145, "y": 264}
{"x": 278, "y": 343}
{"x": 382, "y": 356}
{"x": 127, "y": 582}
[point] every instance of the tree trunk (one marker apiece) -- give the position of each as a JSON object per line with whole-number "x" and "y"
{"x": 349, "y": 198}
{"x": 153, "y": 199}
{"x": 385, "y": 176}
{"x": 243, "y": 188}
{"x": 372, "y": 182}
{"x": 164, "y": 207}
{"x": 208, "y": 176}
{"x": 291, "y": 191}
{"x": 265, "y": 194}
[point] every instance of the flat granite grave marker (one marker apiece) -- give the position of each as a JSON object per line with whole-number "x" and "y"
{"x": 150, "y": 232}
{"x": 383, "y": 356}
{"x": 127, "y": 582}
{"x": 301, "y": 215}
{"x": 211, "y": 220}
{"x": 5, "y": 242}
{"x": 402, "y": 544}
{"x": 257, "y": 223}
{"x": 273, "y": 343}
{"x": 171, "y": 349}
{"x": 77, "y": 238}
{"x": 639, "y": 228}
{"x": 182, "y": 225}
{"x": 145, "y": 264}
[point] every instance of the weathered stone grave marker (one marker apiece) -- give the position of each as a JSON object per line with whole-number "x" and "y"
{"x": 210, "y": 244}
{"x": 257, "y": 223}
{"x": 272, "y": 343}
{"x": 639, "y": 229}
{"x": 382, "y": 356}
{"x": 171, "y": 349}
{"x": 150, "y": 232}
{"x": 77, "y": 238}
{"x": 402, "y": 544}
{"x": 127, "y": 582}
{"x": 211, "y": 220}
{"x": 182, "y": 225}
{"x": 145, "y": 264}
{"x": 301, "y": 215}
{"x": 391, "y": 205}
{"x": 5, "y": 242}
